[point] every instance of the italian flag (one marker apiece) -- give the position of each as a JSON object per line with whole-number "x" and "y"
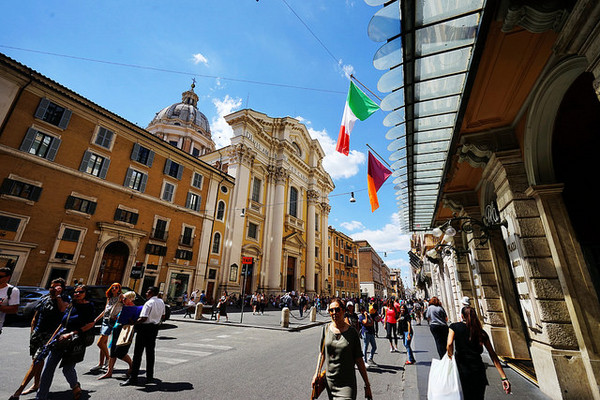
{"x": 358, "y": 106}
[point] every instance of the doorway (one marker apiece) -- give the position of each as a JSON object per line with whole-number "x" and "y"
{"x": 114, "y": 261}
{"x": 291, "y": 270}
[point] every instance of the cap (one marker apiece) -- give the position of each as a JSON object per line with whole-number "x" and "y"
{"x": 350, "y": 304}
{"x": 465, "y": 301}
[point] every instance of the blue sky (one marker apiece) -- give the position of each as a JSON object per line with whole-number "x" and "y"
{"x": 279, "y": 57}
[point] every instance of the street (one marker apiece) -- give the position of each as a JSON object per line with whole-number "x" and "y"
{"x": 209, "y": 361}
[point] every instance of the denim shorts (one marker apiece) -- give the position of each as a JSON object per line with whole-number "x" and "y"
{"x": 107, "y": 327}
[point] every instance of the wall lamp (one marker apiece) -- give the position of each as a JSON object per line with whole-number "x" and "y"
{"x": 444, "y": 249}
{"x": 469, "y": 225}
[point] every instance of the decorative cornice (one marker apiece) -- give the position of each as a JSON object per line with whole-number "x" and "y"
{"x": 241, "y": 154}
{"x": 279, "y": 175}
{"x": 476, "y": 156}
{"x": 313, "y": 196}
{"x": 535, "y": 16}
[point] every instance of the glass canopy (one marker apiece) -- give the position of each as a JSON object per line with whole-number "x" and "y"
{"x": 428, "y": 51}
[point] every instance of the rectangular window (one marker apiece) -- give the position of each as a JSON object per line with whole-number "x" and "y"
{"x": 53, "y": 113}
{"x": 160, "y": 230}
{"x": 156, "y": 249}
{"x": 173, "y": 169}
{"x": 20, "y": 189}
{"x": 71, "y": 235}
{"x": 129, "y": 217}
{"x": 197, "y": 180}
{"x": 193, "y": 201}
{"x": 81, "y": 205}
{"x": 40, "y": 144}
{"x": 168, "y": 191}
{"x": 252, "y": 230}
{"x": 135, "y": 180}
{"x": 195, "y": 152}
{"x": 256, "y": 184}
{"x": 142, "y": 155}
{"x": 187, "y": 237}
{"x": 94, "y": 164}
{"x": 9, "y": 223}
{"x": 104, "y": 138}
{"x": 184, "y": 254}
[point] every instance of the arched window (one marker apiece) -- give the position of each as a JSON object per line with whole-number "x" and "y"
{"x": 294, "y": 202}
{"x": 216, "y": 243}
{"x": 221, "y": 210}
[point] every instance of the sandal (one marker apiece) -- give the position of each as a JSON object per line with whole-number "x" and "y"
{"x": 77, "y": 392}
{"x": 32, "y": 389}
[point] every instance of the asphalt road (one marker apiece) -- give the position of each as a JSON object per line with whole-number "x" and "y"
{"x": 207, "y": 361}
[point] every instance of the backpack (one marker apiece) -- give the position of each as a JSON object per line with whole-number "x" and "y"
{"x": 8, "y": 293}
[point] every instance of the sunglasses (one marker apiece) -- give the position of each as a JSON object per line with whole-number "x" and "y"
{"x": 334, "y": 310}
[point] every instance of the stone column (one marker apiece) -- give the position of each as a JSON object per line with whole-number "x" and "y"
{"x": 582, "y": 376}
{"x": 313, "y": 197}
{"x": 325, "y": 210}
{"x": 275, "y": 242}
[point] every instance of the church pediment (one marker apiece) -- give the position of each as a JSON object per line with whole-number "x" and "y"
{"x": 294, "y": 240}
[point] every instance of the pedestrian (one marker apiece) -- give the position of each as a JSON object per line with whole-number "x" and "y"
{"x": 341, "y": 352}
{"x": 47, "y": 315}
{"x": 389, "y": 322}
{"x": 203, "y": 297}
{"x": 222, "y": 306}
{"x": 109, "y": 317}
{"x": 127, "y": 316}
{"x": 374, "y": 312}
{"x": 262, "y": 303}
{"x": 437, "y": 317}
{"x": 9, "y": 295}
{"x": 351, "y": 318}
{"x": 469, "y": 339}
{"x": 69, "y": 347}
{"x": 302, "y": 304}
{"x": 368, "y": 334}
{"x": 418, "y": 310}
{"x": 254, "y": 302}
{"x": 146, "y": 327}
{"x": 406, "y": 329}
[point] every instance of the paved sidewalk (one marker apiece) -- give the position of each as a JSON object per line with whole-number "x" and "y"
{"x": 271, "y": 319}
{"x": 417, "y": 376}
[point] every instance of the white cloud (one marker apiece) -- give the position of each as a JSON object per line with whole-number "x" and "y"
{"x": 336, "y": 164}
{"x": 389, "y": 238}
{"x": 221, "y": 131}
{"x": 352, "y": 225}
{"x": 198, "y": 58}
{"x": 346, "y": 69}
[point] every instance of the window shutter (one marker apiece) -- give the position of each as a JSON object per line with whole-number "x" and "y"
{"x": 6, "y": 185}
{"x": 36, "y": 192}
{"x": 128, "y": 177}
{"x": 143, "y": 183}
{"x": 53, "y": 149}
{"x": 179, "y": 171}
{"x": 150, "y": 158}
{"x": 135, "y": 152}
{"x": 85, "y": 161}
{"x": 134, "y": 218}
{"x": 118, "y": 214}
{"x": 188, "y": 201}
{"x": 64, "y": 121}
{"x": 104, "y": 168}
{"x": 69, "y": 203}
{"x": 163, "y": 251}
{"x": 41, "y": 110}
{"x": 92, "y": 208}
{"x": 28, "y": 139}
{"x": 167, "y": 167}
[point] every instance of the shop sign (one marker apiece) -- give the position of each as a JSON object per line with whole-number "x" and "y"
{"x": 491, "y": 214}
{"x": 137, "y": 271}
{"x": 515, "y": 255}
{"x": 247, "y": 260}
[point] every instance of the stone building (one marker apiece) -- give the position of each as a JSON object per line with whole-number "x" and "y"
{"x": 90, "y": 197}
{"x": 277, "y": 230}
{"x": 373, "y": 274}
{"x": 502, "y": 127}
{"x": 343, "y": 265}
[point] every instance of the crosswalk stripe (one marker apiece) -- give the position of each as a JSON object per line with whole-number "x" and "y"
{"x": 170, "y": 360}
{"x": 207, "y": 345}
{"x": 184, "y": 351}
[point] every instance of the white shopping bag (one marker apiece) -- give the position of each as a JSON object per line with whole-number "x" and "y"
{"x": 444, "y": 382}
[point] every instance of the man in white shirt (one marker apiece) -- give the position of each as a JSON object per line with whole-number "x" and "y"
{"x": 146, "y": 328}
{"x": 9, "y": 295}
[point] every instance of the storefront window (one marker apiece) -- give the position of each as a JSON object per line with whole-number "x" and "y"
{"x": 178, "y": 285}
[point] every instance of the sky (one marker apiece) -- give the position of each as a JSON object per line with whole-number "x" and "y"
{"x": 279, "y": 57}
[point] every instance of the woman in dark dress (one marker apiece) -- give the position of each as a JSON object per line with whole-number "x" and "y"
{"x": 341, "y": 351}
{"x": 69, "y": 348}
{"x": 406, "y": 330}
{"x": 469, "y": 338}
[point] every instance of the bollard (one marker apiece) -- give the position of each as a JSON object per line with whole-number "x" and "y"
{"x": 198, "y": 313}
{"x": 313, "y": 314}
{"x": 285, "y": 317}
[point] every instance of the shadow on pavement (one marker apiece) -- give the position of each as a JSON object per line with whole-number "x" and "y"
{"x": 161, "y": 386}
{"x": 385, "y": 369}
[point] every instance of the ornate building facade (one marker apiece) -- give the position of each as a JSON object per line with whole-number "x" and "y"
{"x": 277, "y": 226}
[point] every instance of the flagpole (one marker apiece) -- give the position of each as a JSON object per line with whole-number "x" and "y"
{"x": 382, "y": 159}
{"x": 361, "y": 84}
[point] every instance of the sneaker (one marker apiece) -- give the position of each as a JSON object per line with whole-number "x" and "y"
{"x": 392, "y": 350}
{"x": 410, "y": 362}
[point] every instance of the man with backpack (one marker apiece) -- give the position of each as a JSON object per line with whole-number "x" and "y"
{"x": 9, "y": 295}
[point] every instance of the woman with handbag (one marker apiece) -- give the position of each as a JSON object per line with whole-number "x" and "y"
{"x": 340, "y": 352}
{"x": 69, "y": 349}
{"x": 109, "y": 317}
{"x": 125, "y": 320}
{"x": 469, "y": 338}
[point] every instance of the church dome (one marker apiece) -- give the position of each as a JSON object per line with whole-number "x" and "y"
{"x": 184, "y": 113}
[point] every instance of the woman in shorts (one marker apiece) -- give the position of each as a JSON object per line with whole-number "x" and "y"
{"x": 109, "y": 317}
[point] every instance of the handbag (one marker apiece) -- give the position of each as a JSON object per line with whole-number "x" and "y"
{"x": 126, "y": 335}
{"x": 444, "y": 382}
{"x": 320, "y": 383}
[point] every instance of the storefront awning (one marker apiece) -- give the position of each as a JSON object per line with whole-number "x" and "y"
{"x": 428, "y": 52}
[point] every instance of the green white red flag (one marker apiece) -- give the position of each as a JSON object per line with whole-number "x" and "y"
{"x": 358, "y": 106}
